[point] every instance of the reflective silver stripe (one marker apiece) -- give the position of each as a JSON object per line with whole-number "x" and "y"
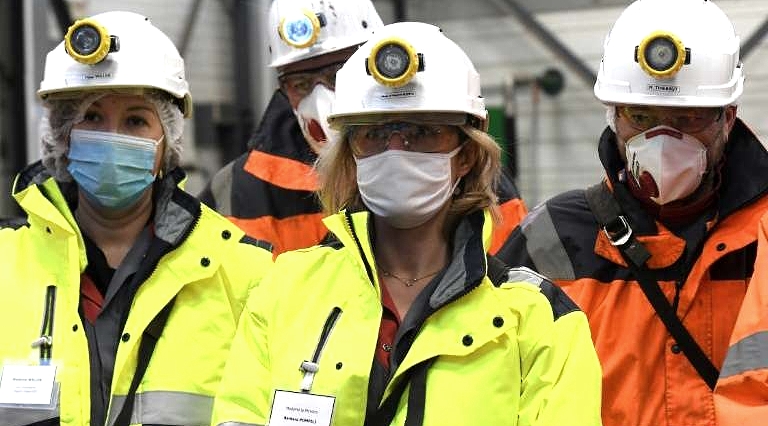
{"x": 221, "y": 189}
{"x": 750, "y": 353}
{"x": 544, "y": 245}
{"x": 239, "y": 424}
{"x": 523, "y": 274}
{"x": 18, "y": 416}
{"x": 168, "y": 408}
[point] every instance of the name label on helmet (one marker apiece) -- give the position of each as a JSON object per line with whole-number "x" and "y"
{"x": 399, "y": 94}
{"x": 663, "y": 89}
{"x": 78, "y": 77}
{"x": 388, "y": 97}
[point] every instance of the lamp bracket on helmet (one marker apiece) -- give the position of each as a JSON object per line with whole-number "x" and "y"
{"x": 393, "y": 62}
{"x": 301, "y": 29}
{"x": 88, "y": 42}
{"x": 661, "y": 55}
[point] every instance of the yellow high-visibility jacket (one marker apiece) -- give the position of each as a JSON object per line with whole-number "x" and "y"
{"x": 517, "y": 354}
{"x": 208, "y": 267}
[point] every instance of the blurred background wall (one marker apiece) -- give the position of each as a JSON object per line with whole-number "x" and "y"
{"x": 537, "y": 61}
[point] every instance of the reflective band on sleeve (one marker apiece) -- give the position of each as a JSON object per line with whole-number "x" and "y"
{"x": 750, "y": 353}
{"x": 522, "y": 274}
{"x": 166, "y": 408}
{"x": 26, "y": 416}
{"x": 560, "y": 302}
{"x": 239, "y": 424}
{"x": 544, "y": 246}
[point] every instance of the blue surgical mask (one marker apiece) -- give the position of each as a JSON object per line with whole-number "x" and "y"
{"x": 111, "y": 169}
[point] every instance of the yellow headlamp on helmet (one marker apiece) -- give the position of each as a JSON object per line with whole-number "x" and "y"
{"x": 393, "y": 62}
{"x": 302, "y": 29}
{"x": 88, "y": 42}
{"x": 661, "y": 55}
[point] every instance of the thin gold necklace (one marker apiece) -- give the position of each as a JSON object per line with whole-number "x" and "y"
{"x": 408, "y": 282}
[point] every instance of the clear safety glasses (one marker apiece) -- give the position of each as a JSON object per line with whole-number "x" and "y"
{"x": 686, "y": 120}
{"x": 370, "y": 140}
{"x": 301, "y": 83}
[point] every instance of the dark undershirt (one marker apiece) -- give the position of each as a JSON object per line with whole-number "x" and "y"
{"x": 103, "y": 333}
{"x": 98, "y": 268}
{"x": 401, "y": 332}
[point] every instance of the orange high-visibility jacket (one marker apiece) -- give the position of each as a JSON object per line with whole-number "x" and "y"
{"x": 741, "y": 396}
{"x": 269, "y": 191}
{"x": 703, "y": 268}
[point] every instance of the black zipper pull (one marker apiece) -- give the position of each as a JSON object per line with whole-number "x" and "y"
{"x": 45, "y": 341}
{"x": 310, "y": 368}
{"x": 368, "y": 269}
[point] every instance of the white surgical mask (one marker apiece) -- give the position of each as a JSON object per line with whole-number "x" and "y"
{"x": 406, "y": 188}
{"x": 313, "y": 112}
{"x": 673, "y": 161}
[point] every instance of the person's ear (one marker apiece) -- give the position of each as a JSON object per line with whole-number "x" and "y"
{"x": 466, "y": 158}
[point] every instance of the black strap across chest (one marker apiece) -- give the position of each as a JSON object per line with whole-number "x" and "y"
{"x": 614, "y": 224}
{"x": 146, "y": 347}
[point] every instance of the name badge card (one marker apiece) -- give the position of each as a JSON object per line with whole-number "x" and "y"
{"x": 296, "y": 408}
{"x": 27, "y": 384}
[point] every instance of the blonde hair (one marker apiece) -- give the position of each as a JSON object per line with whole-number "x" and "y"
{"x": 477, "y": 190}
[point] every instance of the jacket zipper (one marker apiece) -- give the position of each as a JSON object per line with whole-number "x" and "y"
{"x": 45, "y": 341}
{"x": 310, "y": 368}
{"x": 368, "y": 268}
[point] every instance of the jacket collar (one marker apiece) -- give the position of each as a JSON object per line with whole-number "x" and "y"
{"x": 741, "y": 185}
{"x": 742, "y": 180}
{"x": 468, "y": 263}
{"x": 279, "y": 132}
{"x": 39, "y": 195}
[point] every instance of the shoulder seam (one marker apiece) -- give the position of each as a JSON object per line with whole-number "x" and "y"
{"x": 559, "y": 301}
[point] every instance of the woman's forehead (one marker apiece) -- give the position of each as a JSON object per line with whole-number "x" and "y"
{"x": 122, "y": 97}
{"x": 122, "y": 101}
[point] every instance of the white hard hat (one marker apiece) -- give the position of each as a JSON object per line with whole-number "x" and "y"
{"x": 408, "y": 67}
{"x": 671, "y": 53}
{"x": 303, "y": 29}
{"x": 115, "y": 50}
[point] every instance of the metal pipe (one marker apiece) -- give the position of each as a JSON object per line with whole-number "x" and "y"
{"x": 534, "y": 184}
{"x": 63, "y": 17}
{"x": 754, "y": 39}
{"x": 510, "y": 126}
{"x": 531, "y": 24}
{"x": 31, "y": 47}
{"x": 13, "y": 102}
{"x": 264, "y": 78}
{"x": 400, "y": 13}
{"x": 189, "y": 24}
{"x": 242, "y": 53}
